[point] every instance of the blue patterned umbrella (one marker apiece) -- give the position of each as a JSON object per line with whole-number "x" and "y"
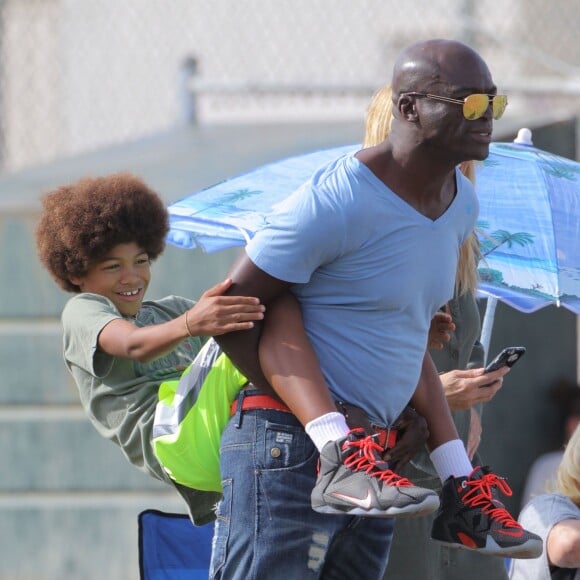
{"x": 529, "y": 219}
{"x": 227, "y": 214}
{"x": 530, "y": 228}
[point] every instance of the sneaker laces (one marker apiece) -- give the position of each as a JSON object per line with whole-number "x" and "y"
{"x": 366, "y": 460}
{"x": 480, "y": 496}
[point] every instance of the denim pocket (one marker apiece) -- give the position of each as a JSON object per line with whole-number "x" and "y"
{"x": 222, "y": 530}
{"x": 285, "y": 446}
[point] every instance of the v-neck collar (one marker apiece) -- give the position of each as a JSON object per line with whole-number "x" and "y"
{"x": 404, "y": 205}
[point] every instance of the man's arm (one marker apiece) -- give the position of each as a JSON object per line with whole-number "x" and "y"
{"x": 242, "y": 346}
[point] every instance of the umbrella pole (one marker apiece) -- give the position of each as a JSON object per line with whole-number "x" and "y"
{"x": 487, "y": 325}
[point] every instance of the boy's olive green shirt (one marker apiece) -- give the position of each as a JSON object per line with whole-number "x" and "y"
{"x": 119, "y": 395}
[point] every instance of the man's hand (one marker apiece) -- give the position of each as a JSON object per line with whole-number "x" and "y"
{"x": 412, "y": 436}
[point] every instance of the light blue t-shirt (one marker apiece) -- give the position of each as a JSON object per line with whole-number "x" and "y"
{"x": 370, "y": 272}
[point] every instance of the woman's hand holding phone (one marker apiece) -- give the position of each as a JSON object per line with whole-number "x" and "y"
{"x": 508, "y": 357}
{"x": 465, "y": 388}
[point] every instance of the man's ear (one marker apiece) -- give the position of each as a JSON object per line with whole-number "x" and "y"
{"x": 407, "y": 106}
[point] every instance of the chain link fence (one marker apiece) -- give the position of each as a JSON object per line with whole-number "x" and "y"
{"x": 77, "y": 75}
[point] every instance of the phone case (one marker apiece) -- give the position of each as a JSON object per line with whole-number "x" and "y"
{"x": 507, "y": 357}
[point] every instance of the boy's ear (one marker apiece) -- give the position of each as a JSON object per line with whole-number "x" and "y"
{"x": 76, "y": 280}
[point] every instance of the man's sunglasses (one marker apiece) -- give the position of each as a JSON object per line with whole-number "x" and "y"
{"x": 474, "y": 106}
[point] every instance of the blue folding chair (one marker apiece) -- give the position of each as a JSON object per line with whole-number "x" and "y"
{"x": 172, "y": 548}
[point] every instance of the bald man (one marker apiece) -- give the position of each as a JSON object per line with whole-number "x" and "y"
{"x": 369, "y": 249}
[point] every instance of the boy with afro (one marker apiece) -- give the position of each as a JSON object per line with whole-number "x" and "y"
{"x": 97, "y": 239}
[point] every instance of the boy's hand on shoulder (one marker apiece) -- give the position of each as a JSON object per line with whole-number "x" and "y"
{"x": 216, "y": 314}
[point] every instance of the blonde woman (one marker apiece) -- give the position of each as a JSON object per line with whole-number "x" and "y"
{"x": 459, "y": 357}
{"x": 555, "y": 517}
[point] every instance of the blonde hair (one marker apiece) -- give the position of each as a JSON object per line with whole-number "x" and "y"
{"x": 379, "y": 117}
{"x": 377, "y": 127}
{"x": 569, "y": 470}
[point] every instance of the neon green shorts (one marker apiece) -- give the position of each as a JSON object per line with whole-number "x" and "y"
{"x": 190, "y": 418}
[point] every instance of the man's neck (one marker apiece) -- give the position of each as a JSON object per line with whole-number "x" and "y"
{"x": 427, "y": 185}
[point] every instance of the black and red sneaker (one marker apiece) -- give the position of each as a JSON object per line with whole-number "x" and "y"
{"x": 471, "y": 516}
{"x": 354, "y": 480}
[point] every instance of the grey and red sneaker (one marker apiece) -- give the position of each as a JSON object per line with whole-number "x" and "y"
{"x": 471, "y": 516}
{"x": 354, "y": 480}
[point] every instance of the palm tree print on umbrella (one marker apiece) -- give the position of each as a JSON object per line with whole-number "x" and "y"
{"x": 502, "y": 237}
{"x": 489, "y": 243}
{"x": 227, "y": 203}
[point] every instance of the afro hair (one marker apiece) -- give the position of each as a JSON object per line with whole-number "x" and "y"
{"x": 80, "y": 223}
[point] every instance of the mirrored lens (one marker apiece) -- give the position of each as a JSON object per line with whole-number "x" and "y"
{"x": 475, "y": 106}
{"x": 499, "y": 105}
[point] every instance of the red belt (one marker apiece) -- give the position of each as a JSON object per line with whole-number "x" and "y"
{"x": 385, "y": 437}
{"x": 259, "y": 402}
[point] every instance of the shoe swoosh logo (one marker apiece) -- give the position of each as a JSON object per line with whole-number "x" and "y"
{"x": 363, "y": 503}
{"x": 517, "y": 534}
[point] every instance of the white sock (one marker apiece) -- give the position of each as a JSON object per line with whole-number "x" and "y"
{"x": 325, "y": 428}
{"x": 451, "y": 459}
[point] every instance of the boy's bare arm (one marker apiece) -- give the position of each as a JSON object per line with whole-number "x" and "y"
{"x": 212, "y": 315}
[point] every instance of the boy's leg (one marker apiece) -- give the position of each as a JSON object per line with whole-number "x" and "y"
{"x": 448, "y": 452}
{"x": 352, "y": 477}
{"x": 471, "y": 514}
{"x": 429, "y": 400}
{"x": 290, "y": 364}
{"x": 191, "y": 415}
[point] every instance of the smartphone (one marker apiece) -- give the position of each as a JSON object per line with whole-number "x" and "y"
{"x": 508, "y": 357}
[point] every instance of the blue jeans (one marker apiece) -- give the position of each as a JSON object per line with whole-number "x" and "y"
{"x": 265, "y": 525}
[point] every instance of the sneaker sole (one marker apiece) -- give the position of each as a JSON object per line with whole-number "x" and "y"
{"x": 530, "y": 550}
{"x": 427, "y": 506}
